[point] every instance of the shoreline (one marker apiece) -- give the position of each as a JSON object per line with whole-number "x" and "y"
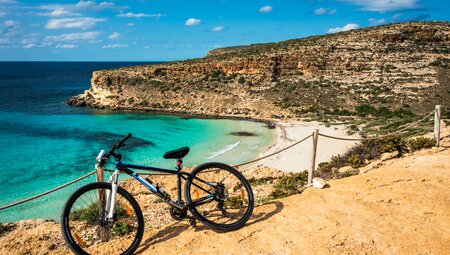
{"x": 298, "y": 158}
{"x": 287, "y": 131}
{"x": 182, "y": 114}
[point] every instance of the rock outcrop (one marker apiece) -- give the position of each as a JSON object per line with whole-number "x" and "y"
{"x": 395, "y": 66}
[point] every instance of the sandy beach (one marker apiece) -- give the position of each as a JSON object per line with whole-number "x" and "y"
{"x": 298, "y": 158}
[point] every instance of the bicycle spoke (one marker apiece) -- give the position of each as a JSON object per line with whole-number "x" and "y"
{"x": 92, "y": 233}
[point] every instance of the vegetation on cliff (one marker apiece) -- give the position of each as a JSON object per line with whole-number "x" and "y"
{"x": 388, "y": 72}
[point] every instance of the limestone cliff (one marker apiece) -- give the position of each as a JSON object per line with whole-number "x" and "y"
{"x": 395, "y": 66}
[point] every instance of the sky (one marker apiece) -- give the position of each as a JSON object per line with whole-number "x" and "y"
{"x": 166, "y": 30}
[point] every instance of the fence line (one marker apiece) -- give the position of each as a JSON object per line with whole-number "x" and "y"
{"x": 381, "y": 136}
{"x": 47, "y": 192}
{"x": 315, "y": 136}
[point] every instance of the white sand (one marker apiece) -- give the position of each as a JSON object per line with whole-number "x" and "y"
{"x": 298, "y": 158}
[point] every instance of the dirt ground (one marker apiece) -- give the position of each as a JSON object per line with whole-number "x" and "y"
{"x": 402, "y": 207}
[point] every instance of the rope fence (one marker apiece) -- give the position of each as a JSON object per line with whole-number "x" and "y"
{"x": 315, "y": 135}
{"x": 47, "y": 192}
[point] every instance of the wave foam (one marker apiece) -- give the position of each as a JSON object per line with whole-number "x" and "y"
{"x": 227, "y": 148}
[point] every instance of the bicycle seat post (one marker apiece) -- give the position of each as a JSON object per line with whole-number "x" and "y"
{"x": 179, "y": 166}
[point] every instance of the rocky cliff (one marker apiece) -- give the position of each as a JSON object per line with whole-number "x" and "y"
{"x": 400, "y": 66}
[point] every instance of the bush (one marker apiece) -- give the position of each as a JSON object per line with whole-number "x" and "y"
{"x": 89, "y": 214}
{"x": 121, "y": 228}
{"x": 348, "y": 173}
{"x": 289, "y": 185}
{"x": 368, "y": 150}
{"x": 324, "y": 167}
{"x": 420, "y": 143}
{"x": 3, "y": 228}
{"x": 234, "y": 202}
{"x": 241, "y": 80}
{"x": 355, "y": 161}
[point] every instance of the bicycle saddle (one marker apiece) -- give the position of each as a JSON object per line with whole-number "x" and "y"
{"x": 177, "y": 154}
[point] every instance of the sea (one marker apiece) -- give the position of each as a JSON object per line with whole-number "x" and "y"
{"x": 45, "y": 143}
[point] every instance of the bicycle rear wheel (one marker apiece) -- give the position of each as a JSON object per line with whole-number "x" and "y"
{"x": 85, "y": 230}
{"x": 219, "y": 196}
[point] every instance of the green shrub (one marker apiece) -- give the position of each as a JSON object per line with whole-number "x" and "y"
{"x": 121, "y": 228}
{"x": 89, "y": 214}
{"x": 289, "y": 185}
{"x": 355, "y": 161}
{"x": 241, "y": 80}
{"x": 261, "y": 181}
{"x": 324, "y": 167}
{"x": 420, "y": 143}
{"x": 3, "y": 228}
{"x": 348, "y": 173}
{"x": 368, "y": 150}
{"x": 233, "y": 202}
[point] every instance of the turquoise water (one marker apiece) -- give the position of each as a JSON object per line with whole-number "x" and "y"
{"x": 45, "y": 143}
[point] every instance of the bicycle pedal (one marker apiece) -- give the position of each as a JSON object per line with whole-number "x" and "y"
{"x": 193, "y": 222}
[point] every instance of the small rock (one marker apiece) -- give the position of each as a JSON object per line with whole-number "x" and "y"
{"x": 389, "y": 155}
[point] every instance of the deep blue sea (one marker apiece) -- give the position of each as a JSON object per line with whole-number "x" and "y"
{"x": 45, "y": 143}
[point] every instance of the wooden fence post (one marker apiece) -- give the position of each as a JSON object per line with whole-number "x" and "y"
{"x": 437, "y": 124}
{"x": 103, "y": 232}
{"x": 313, "y": 158}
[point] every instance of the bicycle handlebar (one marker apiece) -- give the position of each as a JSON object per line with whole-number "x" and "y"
{"x": 118, "y": 144}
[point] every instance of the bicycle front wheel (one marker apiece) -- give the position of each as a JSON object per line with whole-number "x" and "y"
{"x": 84, "y": 227}
{"x": 219, "y": 196}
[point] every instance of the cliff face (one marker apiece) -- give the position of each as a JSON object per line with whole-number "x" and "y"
{"x": 396, "y": 66}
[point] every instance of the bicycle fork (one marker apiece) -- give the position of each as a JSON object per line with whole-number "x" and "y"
{"x": 111, "y": 197}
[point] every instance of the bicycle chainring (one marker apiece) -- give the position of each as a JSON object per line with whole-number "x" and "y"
{"x": 178, "y": 214}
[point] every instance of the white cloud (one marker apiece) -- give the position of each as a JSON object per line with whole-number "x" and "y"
{"x": 83, "y": 23}
{"x": 37, "y": 45}
{"x": 139, "y": 15}
{"x": 322, "y": 11}
{"x": 64, "y": 10}
{"x": 72, "y": 37}
{"x": 66, "y": 46}
{"x": 9, "y": 23}
{"x": 11, "y": 28}
{"x": 113, "y": 46}
{"x": 377, "y": 22}
{"x": 114, "y": 36}
{"x": 28, "y": 40}
{"x": 130, "y": 24}
{"x": 266, "y": 9}
{"x": 192, "y": 22}
{"x": 344, "y": 28}
{"x": 2, "y": 14}
{"x": 217, "y": 29}
{"x": 8, "y": 1}
{"x": 93, "y": 6}
{"x": 385, "y": 5}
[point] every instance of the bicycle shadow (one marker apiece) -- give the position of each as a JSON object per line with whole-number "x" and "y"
{"x": 175, "y": 229}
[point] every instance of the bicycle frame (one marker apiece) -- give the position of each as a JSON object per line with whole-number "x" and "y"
{"x": 153, "y": 187}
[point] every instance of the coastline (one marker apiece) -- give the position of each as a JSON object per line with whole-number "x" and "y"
{"x": 298, "y": 158}
{"x": 287, "y": 132}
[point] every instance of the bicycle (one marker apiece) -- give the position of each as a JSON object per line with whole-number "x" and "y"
{"x": 104, "y": 218}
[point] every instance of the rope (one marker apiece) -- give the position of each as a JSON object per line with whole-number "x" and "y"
{"x": 381, "y": 136}
{"x": 276, "y": 152}
{"x": 47, "y": 192}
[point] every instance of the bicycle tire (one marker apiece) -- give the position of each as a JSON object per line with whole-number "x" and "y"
{"x": 217, "y": 226}
{"x": 72, "y": 244}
